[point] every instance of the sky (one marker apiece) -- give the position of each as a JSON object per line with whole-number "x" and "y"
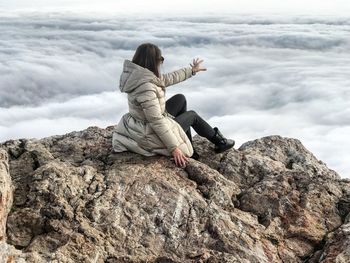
{"x": 267, "y": 73}
{"x": 324, "y": 7}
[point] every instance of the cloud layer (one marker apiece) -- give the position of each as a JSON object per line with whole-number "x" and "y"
{"x": 266, "y": 75}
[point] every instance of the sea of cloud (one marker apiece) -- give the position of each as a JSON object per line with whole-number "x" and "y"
{"x": 265, "y": 74}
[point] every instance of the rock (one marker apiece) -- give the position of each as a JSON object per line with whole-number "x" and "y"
{"x": 74, "y": 200}
{"x": 5, "y": 193}
{"x": 8, "y": 253}
{"x": 337, "y": 247}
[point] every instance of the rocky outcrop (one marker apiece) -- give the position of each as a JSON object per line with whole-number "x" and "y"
{"x": 74, "y": 200}
{"x": 7, "y": 252}
{"x": 5, "y": 193}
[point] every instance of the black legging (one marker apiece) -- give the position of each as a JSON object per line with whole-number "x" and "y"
{"x": 177, "y": 106}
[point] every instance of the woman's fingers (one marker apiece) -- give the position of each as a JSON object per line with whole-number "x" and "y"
{"x": 184, "y": 158}
{"x": 177, "y": 160}
{"x": 180, "y": 160}
{"x": 196, "y": 62}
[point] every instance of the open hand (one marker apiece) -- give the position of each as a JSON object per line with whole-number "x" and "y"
{"x": 179, "y": 158}
{"x": 196, "y": 65}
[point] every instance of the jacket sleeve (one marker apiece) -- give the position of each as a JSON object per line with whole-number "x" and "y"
{"x": 150, "y": 105}
{"x": 176, "y": 76}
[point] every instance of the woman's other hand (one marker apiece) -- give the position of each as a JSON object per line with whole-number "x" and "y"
{"x": 179, "y": 158}
{"x": 196, "y": 65}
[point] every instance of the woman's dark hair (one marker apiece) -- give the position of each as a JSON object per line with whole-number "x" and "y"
{"x": 149, "y": 56}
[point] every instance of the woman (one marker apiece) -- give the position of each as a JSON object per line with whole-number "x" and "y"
{"x": 153, "y": 126}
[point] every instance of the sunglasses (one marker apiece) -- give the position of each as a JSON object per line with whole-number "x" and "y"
{"x": 161, "y": 59}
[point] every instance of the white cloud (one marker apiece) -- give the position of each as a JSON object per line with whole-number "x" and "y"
{"x": 327, "y": 143}
{"x": 266, "y": 74}
{"x": 101, "y": 110}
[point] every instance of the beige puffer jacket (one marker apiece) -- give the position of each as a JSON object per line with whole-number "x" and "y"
{"x": 147, "y": 128}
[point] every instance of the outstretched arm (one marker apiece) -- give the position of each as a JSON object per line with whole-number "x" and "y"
{"x": 182, "y": 74}
{"x": 176, "y": 76}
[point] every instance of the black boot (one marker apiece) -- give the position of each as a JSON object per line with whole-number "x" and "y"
{"x": 195, "y": 155}
{"x": 221, "y": 143}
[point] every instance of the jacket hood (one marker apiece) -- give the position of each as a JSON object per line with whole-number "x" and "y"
{"x": 134, "y": 76}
